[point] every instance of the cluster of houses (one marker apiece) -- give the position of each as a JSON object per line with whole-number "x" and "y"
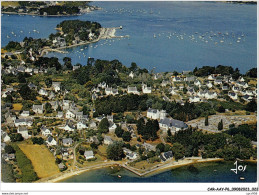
{"x": 211, "y": 88}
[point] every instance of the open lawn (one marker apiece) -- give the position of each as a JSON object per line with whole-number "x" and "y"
{"x": 10, "y": 3}
{"x": 17, "y": 106}
{"x": 42, "y": 160}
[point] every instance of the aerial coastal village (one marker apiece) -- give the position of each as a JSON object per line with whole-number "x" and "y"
{"x": 59, "y": 119}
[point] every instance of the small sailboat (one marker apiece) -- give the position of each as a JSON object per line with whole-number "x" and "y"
{"x": 119, "y": 176}
{"x": 154, "y": 35}
{"x": 241, "y": 178}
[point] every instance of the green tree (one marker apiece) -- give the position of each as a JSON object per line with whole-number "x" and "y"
{"x": 103, "y": 126}
{"x": 48, "y": 82}
{"x": 126, "y": 136}
{"x": 115, "y": 151}
{"x": 220, "y": 125}
{"x": 119, "y": 131}
{"x": 178, "y": 151}
{"x": 251, "y": 106}
{"x": 48, "y": 108}
{"x": 9, "y": 149}
{"x": 160, "y": 147}
{"x": 26, "y": 93}
{"x": 206, "y": 120}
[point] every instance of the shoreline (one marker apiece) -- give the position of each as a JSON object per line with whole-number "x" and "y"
{"x": 105, "y": 33}
{"x": 65, "y": 175}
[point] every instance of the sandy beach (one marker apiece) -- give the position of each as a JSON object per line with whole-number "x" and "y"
{"x": 155, "y": 170}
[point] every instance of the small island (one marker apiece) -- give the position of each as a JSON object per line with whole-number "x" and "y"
{"x": 47, "y": 8}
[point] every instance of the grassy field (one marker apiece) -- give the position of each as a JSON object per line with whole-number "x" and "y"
{"x": 17, "y": 106}
{"x": 42, "y": 160}
{"x": 9, "y": 3}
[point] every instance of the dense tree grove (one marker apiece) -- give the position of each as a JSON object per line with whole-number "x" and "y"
{"x": 115, "y": 151}
{"x": 220, "y": 145}
{"x": 248, "y": 131}
{"x": 207, "y": 70}
{"x": 148, "y": 130}
{"x": 103, "y": 126}
{"x": 107, "y": 105}
{"x": 252, "y": 73}
{"x": 45, "y": 62}
{"x": 59, "y": 10}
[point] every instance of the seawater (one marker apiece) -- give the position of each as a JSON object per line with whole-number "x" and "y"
{"x": 149, "y": 25}
{"x": 212, "y": 172}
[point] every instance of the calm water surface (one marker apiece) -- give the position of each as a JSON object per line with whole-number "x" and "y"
{"x": 206, "y": 172}
{"x": 165, "y": 35}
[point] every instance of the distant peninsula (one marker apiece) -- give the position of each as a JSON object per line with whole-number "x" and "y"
{"x": 47, "y": 8}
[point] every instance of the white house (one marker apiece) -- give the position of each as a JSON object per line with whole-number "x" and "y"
{"x": 131, "y": 75}
{"x": 218, "y": 82}
{"x": 92, "y": 125}
{"x": 56, "y": 86}
{"x": 23, "y": 131}
{"x": 172, "y": 91}
{"x": 81, "y": 125}
{"x": 70, "y": 114}
{"x": 43, "y": 92}
{"x": 111, "y": 91}
{"x": 112, "y": 127}
{"x": 23, "y": 122}
{"x": 38, "y": 109}
{"x": 51, "y": 141}
{"x": 103, "y": 85}
{"x": 165, "y": 83}
{"x": 194, "y": 99}
{"x": 69, "y": 126}
{"x": 107, "y": 140}
{"x": 5, "y": 137}
{"x": 133, "y": 90}
{"x": 211, "y": 95}
{"x": 156, "y": 114}
{"x": 66, "y": 104}
{"x": 45, "y": 131}
{"x": 235, "y": 89}
{"x": 60, "y": 115}
{"x": 209, "y": 85}
{"x": 146, "y": 89}
{"x": 89, "y": 154}
{"x": 25, "y": 114}
{"x": 197, "y": 83}
{"x": 129, "y": 154}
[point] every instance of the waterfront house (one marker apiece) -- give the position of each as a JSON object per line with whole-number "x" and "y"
{"x": 67, "y": 142}
{"x": 89, "y": 154}
{"x": 166, "y": 156}
{"x": 38, "y": 109}
{"x": 51, "y": 141}
{"x": 177, "y": 79}
{"x": 107, "y": 140}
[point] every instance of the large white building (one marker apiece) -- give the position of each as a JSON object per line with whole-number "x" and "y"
{"x": 156, "y": 114}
